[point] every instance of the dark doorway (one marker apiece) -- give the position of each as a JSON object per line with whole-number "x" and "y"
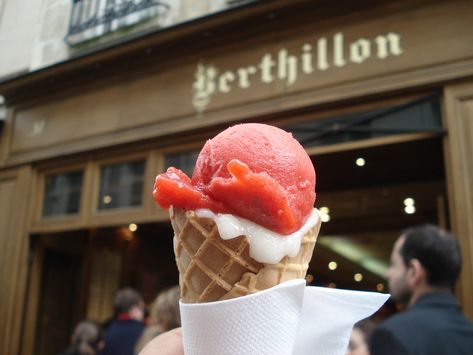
{"x": 370, "y": 195}
{"x": 58, "y": 303}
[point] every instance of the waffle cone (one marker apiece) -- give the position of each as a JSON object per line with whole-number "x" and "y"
{"x": 212, "y": 269}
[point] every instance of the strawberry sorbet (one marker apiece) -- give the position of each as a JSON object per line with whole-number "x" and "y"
{"x": 254, "y": 171}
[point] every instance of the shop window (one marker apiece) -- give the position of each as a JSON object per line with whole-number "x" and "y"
{"x": 182, "y": 160}
{"x": 121, "y": 185}
{"x": 414, "y": 117}
{"x": 62, "y": 193}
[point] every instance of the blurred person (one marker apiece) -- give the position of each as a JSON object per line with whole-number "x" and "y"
{"x": 425, "y": 265}
{"x": 360, "y": 338}
{"x": 85, "y": 339}
{"x": 164, "y": 316}
{"x": 124, "y": 330}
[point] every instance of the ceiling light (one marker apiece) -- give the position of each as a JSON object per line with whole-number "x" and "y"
{"x": 325, "y": 217}
{"x": 360, "y": 162}
{"x": 309, "y": 278}
{"x": 332, "y": 285}
{"x": 324, "y": 210}
{"x": 409, "y": 201}
{"x": 107, "y": 199}
{"x": 133, "y": 227}
{"x": 332, "y": 265}
{"x": 380, "y": 287}
{"x": 410, "y": 209}
{"x": 324, "y": 214}
{"x": 358, "y": 277}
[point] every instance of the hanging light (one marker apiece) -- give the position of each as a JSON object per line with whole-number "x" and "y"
{"x": 358, "y": 277}
{"x": 324, "y": 214}
{"x": 360, "y": 162}
{"x": 410, "y": 209}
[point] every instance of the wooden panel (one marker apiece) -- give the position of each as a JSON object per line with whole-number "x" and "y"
{"x": 104, "y": 282}
{"x": 58, "y": 303}
{"x": 13, "y": 255}
{"x": 6, "y": 136}
{"x": 32, "y": 302}
{"x": 459, "y": 153}
{"x": 160, "y": 101}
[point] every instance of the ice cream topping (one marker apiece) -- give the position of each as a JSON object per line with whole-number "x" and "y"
{"x": 266, "y": 246}
{"x": 252, "y": 171}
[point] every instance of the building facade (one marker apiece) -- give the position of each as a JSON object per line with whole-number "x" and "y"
{"x": 104, "y": 95}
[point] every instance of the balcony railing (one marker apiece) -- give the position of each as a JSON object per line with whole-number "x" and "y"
{"x": 94, "y": 18}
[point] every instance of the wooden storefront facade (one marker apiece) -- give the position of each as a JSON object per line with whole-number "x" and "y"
{"x": 167, "y": 92}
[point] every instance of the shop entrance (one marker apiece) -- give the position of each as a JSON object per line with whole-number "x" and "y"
{"x": 59, "y": 300}
{"x": 368, "y": 197}
{"x": 60, "y": 305}
{"x": 82, "y": 270}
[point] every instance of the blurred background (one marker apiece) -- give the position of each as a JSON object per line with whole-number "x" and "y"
{"x": 99, "y": 96}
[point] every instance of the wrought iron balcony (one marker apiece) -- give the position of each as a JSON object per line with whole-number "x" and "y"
{"x": 93, "y": 18}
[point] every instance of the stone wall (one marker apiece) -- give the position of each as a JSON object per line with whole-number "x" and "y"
{"x": 33, "y": 32}
{"x": 19, "y": 25}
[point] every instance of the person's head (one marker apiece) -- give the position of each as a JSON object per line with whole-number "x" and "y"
{"x": 360, "y": 338}
{"x": 423, "y": 258}
{"x": 129, "y": 301}
{"x": 86, "y": 338}
{"x": 164, "y": 316}
{"x": 165, "y": 310}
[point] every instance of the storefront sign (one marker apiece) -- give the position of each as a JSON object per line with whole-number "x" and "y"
{"x": 325, "y": 54}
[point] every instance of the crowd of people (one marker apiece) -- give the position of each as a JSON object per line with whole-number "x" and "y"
{"x": 425, "y": 265}
{"x": 128, "y": 331}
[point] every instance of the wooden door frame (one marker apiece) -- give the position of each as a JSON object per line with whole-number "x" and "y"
{"x": 14, "y": 260}
{"x": 458, "y": 152}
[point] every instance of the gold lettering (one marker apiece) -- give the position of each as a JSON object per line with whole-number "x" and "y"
{"x": 287, "y": 67}
{"x": 266, "y": 65}
{"x": 338, "y": 59}
{"x": 389, "y": 44}
{"x": 307, "y": 67}
{"x": 284, "y": 66}
{"x": 244, "y": 74}
{"x": 322, "y": 61}
{"x": 223, "y": 81}
{"x": 204, "y": 86}
{"x": 360, "y": 50}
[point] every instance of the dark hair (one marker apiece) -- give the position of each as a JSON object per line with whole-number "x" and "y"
{"x": 366, "y": 326}
{"x": 125, "y": 299}
{"x": 437, "y": 250}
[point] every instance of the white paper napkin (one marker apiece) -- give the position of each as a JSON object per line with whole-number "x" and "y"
{"x": 328, "y": 316}
{"x": 287, "y": 319}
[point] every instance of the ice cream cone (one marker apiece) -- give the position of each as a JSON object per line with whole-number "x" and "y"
{"x": 212, "y": 269}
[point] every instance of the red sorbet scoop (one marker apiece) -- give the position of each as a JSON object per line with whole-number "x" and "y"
{"x": 255, "y": 171}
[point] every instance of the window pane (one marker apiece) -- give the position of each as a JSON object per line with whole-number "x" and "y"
{"x": 121, "y": 185}
{"x": 62, "y": 194}
{"x": 182, "y": 160}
